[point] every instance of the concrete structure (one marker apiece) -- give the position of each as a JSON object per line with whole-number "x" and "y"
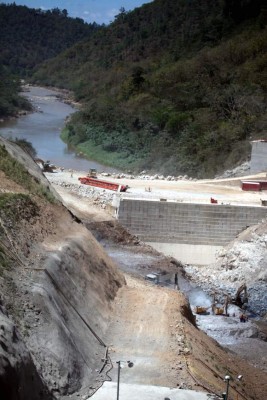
{"x": 169, "y": 223}
{"x": 144, "y": 392}
{"x": 258, "y": 156}
{"x": 172, "y": 222}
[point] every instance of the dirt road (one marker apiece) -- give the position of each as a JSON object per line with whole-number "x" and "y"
{"x": 141, "y": 331}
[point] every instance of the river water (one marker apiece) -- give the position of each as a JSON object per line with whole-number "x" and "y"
{"x": 42, "y": 128}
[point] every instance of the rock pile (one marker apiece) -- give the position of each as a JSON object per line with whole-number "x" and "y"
{"x": 144, "y": 176}
{"x": 241, "y": 170}
{"x": 96, "y": 196}
{"x": 243, "y": 261}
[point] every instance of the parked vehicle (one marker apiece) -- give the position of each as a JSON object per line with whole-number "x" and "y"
{"x": 92, "y": 173}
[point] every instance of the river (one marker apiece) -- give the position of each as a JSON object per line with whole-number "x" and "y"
{"x": 42, "y": 128}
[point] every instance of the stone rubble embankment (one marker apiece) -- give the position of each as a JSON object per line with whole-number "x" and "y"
{"x": 243, "y": 261}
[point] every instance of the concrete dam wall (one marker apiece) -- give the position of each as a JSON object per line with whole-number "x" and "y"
{"x": 187, "y": 223}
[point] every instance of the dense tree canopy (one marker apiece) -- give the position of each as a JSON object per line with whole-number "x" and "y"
{"x": 27, "y": 38}
{"x": 30, "y": 36}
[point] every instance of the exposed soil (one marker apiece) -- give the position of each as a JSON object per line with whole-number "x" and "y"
{"x": 57, "y": 285}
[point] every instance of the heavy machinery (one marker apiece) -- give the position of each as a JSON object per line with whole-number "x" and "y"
{"x": 240, "y": 299}
{"x": 92, "y": 173}
{"x": 201, "y": 310}
{"x": 45, "y": 165}
{"x": 241, "y": 296}
{"x": 220, "y": 309}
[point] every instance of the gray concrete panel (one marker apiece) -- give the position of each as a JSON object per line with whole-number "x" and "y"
{"x": 258, "y": 157}
{"x": 171, "y": 222}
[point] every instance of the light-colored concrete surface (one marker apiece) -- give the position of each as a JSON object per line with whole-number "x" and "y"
{"x": 258, "y": 156}
{"x": 188, "y": 253}
{"x": 142, "y": 392}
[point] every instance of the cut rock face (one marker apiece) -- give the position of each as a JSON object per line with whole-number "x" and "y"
{"x": 19, "y": 379}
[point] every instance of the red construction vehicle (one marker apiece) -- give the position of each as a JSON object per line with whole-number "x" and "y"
{"x": 103, "y": 184}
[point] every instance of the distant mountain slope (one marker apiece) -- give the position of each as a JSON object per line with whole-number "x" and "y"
{"x": 173, "y": 86}
{"x": 30, "y": 36}
{"x": 27, "y": 38}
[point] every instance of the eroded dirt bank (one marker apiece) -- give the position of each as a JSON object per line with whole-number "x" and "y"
{"x": 57, "y": 284}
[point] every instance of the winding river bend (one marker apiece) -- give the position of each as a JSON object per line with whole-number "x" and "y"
{"x": 42, "y": 128}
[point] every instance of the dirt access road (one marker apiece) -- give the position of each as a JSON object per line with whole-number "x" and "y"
{"x": 142, "y": 331}
{"x": 226, "y": 191}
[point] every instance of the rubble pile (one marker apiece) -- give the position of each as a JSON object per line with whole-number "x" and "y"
{"x": 100, "y": 197}
{"x": 243, "y": 261}
{"x": 241, "y": 170}
{"x": 144, "y": 176}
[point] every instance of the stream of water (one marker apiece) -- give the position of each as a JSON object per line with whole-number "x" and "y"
{"x": 43, "y": 127}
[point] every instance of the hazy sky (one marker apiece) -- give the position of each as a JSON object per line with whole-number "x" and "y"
{"x": 100, "y": 11}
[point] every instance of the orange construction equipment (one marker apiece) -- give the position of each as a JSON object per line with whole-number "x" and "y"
{"x": 103, "y": 184}
{"x": 201, "y": 310}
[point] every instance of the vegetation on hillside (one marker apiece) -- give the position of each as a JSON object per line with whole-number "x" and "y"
{"x": 10, "y": 100}
{"x": 174, "y": 86}
{"x": 28, "y": 37}
{"x": 18, "y": 173}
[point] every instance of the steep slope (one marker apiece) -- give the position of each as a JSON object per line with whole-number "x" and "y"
{"x": 19, "y": 379}
{"x": 56, "y": 281}
{"x": 174, "y": 86}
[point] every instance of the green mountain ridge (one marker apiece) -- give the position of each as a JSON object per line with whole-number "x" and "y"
{"x": 174, "y": 86}
{"x": 27, "y": 38}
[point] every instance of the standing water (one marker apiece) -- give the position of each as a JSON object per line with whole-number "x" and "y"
{"x": 43, "y": 127}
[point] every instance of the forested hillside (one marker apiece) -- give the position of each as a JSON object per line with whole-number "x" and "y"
{"x": 27, "y": 38}
{"x": 175, "y": 86}
{"x": 10, "y": 102}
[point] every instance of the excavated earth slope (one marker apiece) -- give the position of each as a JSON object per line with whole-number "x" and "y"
{"x": 57, "y": 285}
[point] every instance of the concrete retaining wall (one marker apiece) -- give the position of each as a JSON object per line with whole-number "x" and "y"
{"x": 258, "y": 157}
{"x": 199, "y": 224}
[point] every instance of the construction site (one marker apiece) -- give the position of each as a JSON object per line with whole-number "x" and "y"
{"x": 86, "y": 294}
